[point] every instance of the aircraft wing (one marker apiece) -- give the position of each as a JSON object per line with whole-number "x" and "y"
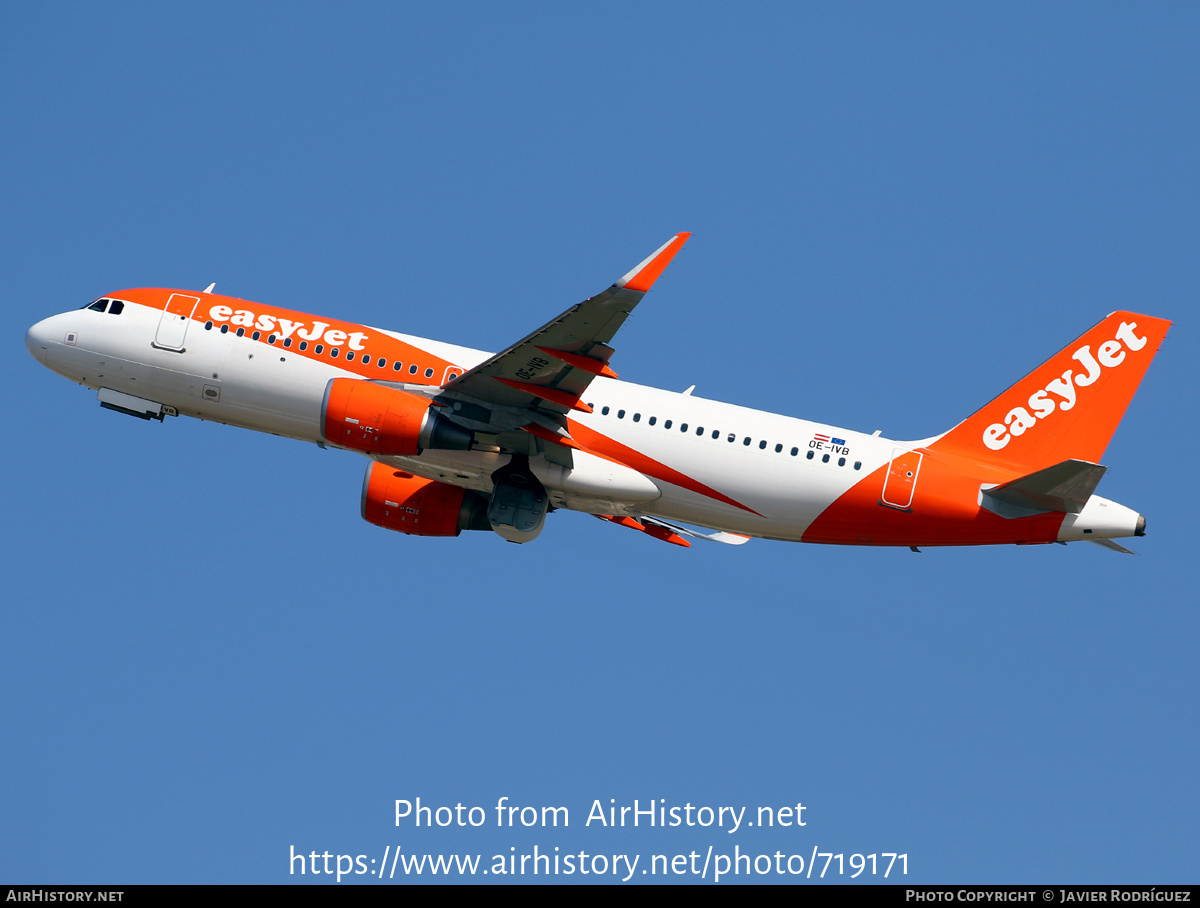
{"x": 551, "y": 368}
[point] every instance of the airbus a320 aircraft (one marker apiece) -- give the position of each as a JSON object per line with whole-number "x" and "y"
{"x": 461, "y": 440}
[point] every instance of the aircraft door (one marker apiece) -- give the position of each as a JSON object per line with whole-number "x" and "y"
{"x": 901, "y": 480}
{"x": 173, "y": 325}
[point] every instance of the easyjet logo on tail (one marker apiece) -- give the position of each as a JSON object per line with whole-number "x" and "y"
{"x": 1062, "y": 393}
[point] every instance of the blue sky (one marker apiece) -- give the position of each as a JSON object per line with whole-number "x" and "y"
{"x": 208, "y": 658}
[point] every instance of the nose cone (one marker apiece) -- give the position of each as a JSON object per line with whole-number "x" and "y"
{"x": 37, "y": 339}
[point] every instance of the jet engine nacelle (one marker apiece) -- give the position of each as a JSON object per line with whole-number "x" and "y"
{"x": 376, "y": 419}
{"x": 400, "y": 501}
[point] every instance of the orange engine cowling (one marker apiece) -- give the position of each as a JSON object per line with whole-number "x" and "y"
{"x": 396, "y": 500}
{"x": 377, "y": 419}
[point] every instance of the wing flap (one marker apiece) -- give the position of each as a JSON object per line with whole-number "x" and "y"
{"x": 672, "y": 532}
{"x": 726, "y": 538}
{"x": 656, "y": 530}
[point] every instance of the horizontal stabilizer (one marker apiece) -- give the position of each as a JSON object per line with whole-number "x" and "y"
{"x": 1064, "y": 487}
{"x": 1115, "y": 546}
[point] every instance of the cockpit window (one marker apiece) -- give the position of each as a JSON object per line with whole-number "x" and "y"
{"x": 115, "y": 307}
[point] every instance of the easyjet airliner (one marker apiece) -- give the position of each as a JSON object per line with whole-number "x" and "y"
{"x": 459, "y": 439}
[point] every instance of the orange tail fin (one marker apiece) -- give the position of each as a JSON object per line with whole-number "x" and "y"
{"x": 1068, "y": 407}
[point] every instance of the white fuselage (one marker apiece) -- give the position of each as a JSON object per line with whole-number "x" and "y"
{"x": 654, "y": 453}
{"x": 238, "y": 381}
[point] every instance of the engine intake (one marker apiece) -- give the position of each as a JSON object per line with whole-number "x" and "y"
{"x": 400, "y": 501}
{"x": 376, "y": 419}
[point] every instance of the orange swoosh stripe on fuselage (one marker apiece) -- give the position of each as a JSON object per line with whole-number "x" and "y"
{"x": 601, "y": 445}
{"x": 945, "y": 510}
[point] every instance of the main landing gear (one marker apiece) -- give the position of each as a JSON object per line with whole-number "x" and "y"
{"x": 519, "y": 502}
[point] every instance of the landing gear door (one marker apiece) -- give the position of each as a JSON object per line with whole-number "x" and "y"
{"x": 173, "y": 325}
{"x": 901, "y": 480}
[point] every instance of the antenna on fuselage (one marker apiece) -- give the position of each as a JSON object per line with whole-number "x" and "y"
{"x": 209, "y": 288}
{"x": 688, "y": 392}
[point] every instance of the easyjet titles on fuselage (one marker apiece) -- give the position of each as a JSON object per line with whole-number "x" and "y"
{"x": 356, "y": 340}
